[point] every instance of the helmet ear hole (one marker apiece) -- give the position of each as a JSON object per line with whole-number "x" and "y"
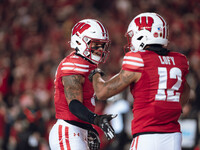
{"x": 142, "y": 45}
{"x": 78, "y": 42}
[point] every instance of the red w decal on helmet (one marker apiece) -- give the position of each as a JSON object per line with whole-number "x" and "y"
{"x": 80, "y": 28}
{"x": 145, "y": 23}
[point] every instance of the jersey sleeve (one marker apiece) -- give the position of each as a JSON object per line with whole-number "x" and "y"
{"x": 133, "y": 62}
{"x": 69, "y": 68}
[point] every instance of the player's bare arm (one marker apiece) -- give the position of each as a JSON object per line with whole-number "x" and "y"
{"x": 186, "y": 94}
{"x": 73, "y": 87}
{"x": 73, "y": 93}
{"x": 106, "y": 89}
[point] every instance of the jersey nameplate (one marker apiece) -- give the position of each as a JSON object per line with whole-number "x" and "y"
{"x": 166, "y": 60}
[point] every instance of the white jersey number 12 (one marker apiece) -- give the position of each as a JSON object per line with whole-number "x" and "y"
{"x": 163, "y": 92}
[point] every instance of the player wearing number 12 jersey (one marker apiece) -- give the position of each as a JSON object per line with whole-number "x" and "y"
{"x": 157, "y": 80}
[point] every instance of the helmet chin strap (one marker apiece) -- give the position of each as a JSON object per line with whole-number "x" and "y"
{"x": 85, "y": 58}
{"x": 93, "y": 57}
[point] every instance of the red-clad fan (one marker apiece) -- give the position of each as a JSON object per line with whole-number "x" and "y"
{"x": 74, "y": 94}
{"x": 157, "y": 80}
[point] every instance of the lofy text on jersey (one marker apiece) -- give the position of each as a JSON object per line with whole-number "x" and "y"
{"x": 168, "y": 60}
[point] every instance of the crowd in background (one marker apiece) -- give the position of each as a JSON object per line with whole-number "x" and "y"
{"x": 34, "y": 37}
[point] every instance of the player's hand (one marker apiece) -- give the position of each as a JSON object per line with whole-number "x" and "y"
{"x": 93, "y": 72}
{"x": 103, "y": 122}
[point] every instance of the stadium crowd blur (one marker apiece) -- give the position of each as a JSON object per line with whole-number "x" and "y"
{"x": 34, "y": 37}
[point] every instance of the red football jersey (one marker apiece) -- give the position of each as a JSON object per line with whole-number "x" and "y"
{"x": 73, "y": 65}
{"x": 156, "y": 106}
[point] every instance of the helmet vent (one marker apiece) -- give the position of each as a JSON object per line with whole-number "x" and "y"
{"x": 140, "y": 38}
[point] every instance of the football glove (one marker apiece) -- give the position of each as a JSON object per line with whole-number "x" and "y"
{"x": 93, "y": 140}
{"x": 93, "y": 72}
{"x": 103, "y": 122}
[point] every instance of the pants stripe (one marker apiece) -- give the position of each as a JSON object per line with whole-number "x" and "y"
{"x": 132, "y": 143}
{"x": 136, "y": 143}
{"x": 60, "y": 137}
{"x": 67, "y": 138}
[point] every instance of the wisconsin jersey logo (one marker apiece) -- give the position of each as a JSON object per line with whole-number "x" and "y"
{"x": 144, "y": 23}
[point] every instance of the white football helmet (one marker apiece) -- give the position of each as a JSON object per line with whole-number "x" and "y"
{"x": 145, "y": 29}
{"x": 86, "y": 32}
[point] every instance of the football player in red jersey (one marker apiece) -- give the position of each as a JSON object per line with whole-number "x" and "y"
{"x": 74, "y": 93}
{"x": 157, "y": 80}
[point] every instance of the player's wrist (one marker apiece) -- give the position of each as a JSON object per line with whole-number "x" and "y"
{"x": 96, "y": 120}
{"x": 96, "y": 76}
{"x": 95, "y": 72}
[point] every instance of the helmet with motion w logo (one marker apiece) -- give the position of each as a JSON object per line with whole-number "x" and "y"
{"x": 86, "y": 37}
{"x": 146, "y": 29}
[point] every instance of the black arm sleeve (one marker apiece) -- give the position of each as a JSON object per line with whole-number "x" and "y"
{"x": 82, "y": 112}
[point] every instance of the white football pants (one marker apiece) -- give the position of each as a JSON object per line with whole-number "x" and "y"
{"x": 168, "y": 141}
{"x": 64, "y": 136}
